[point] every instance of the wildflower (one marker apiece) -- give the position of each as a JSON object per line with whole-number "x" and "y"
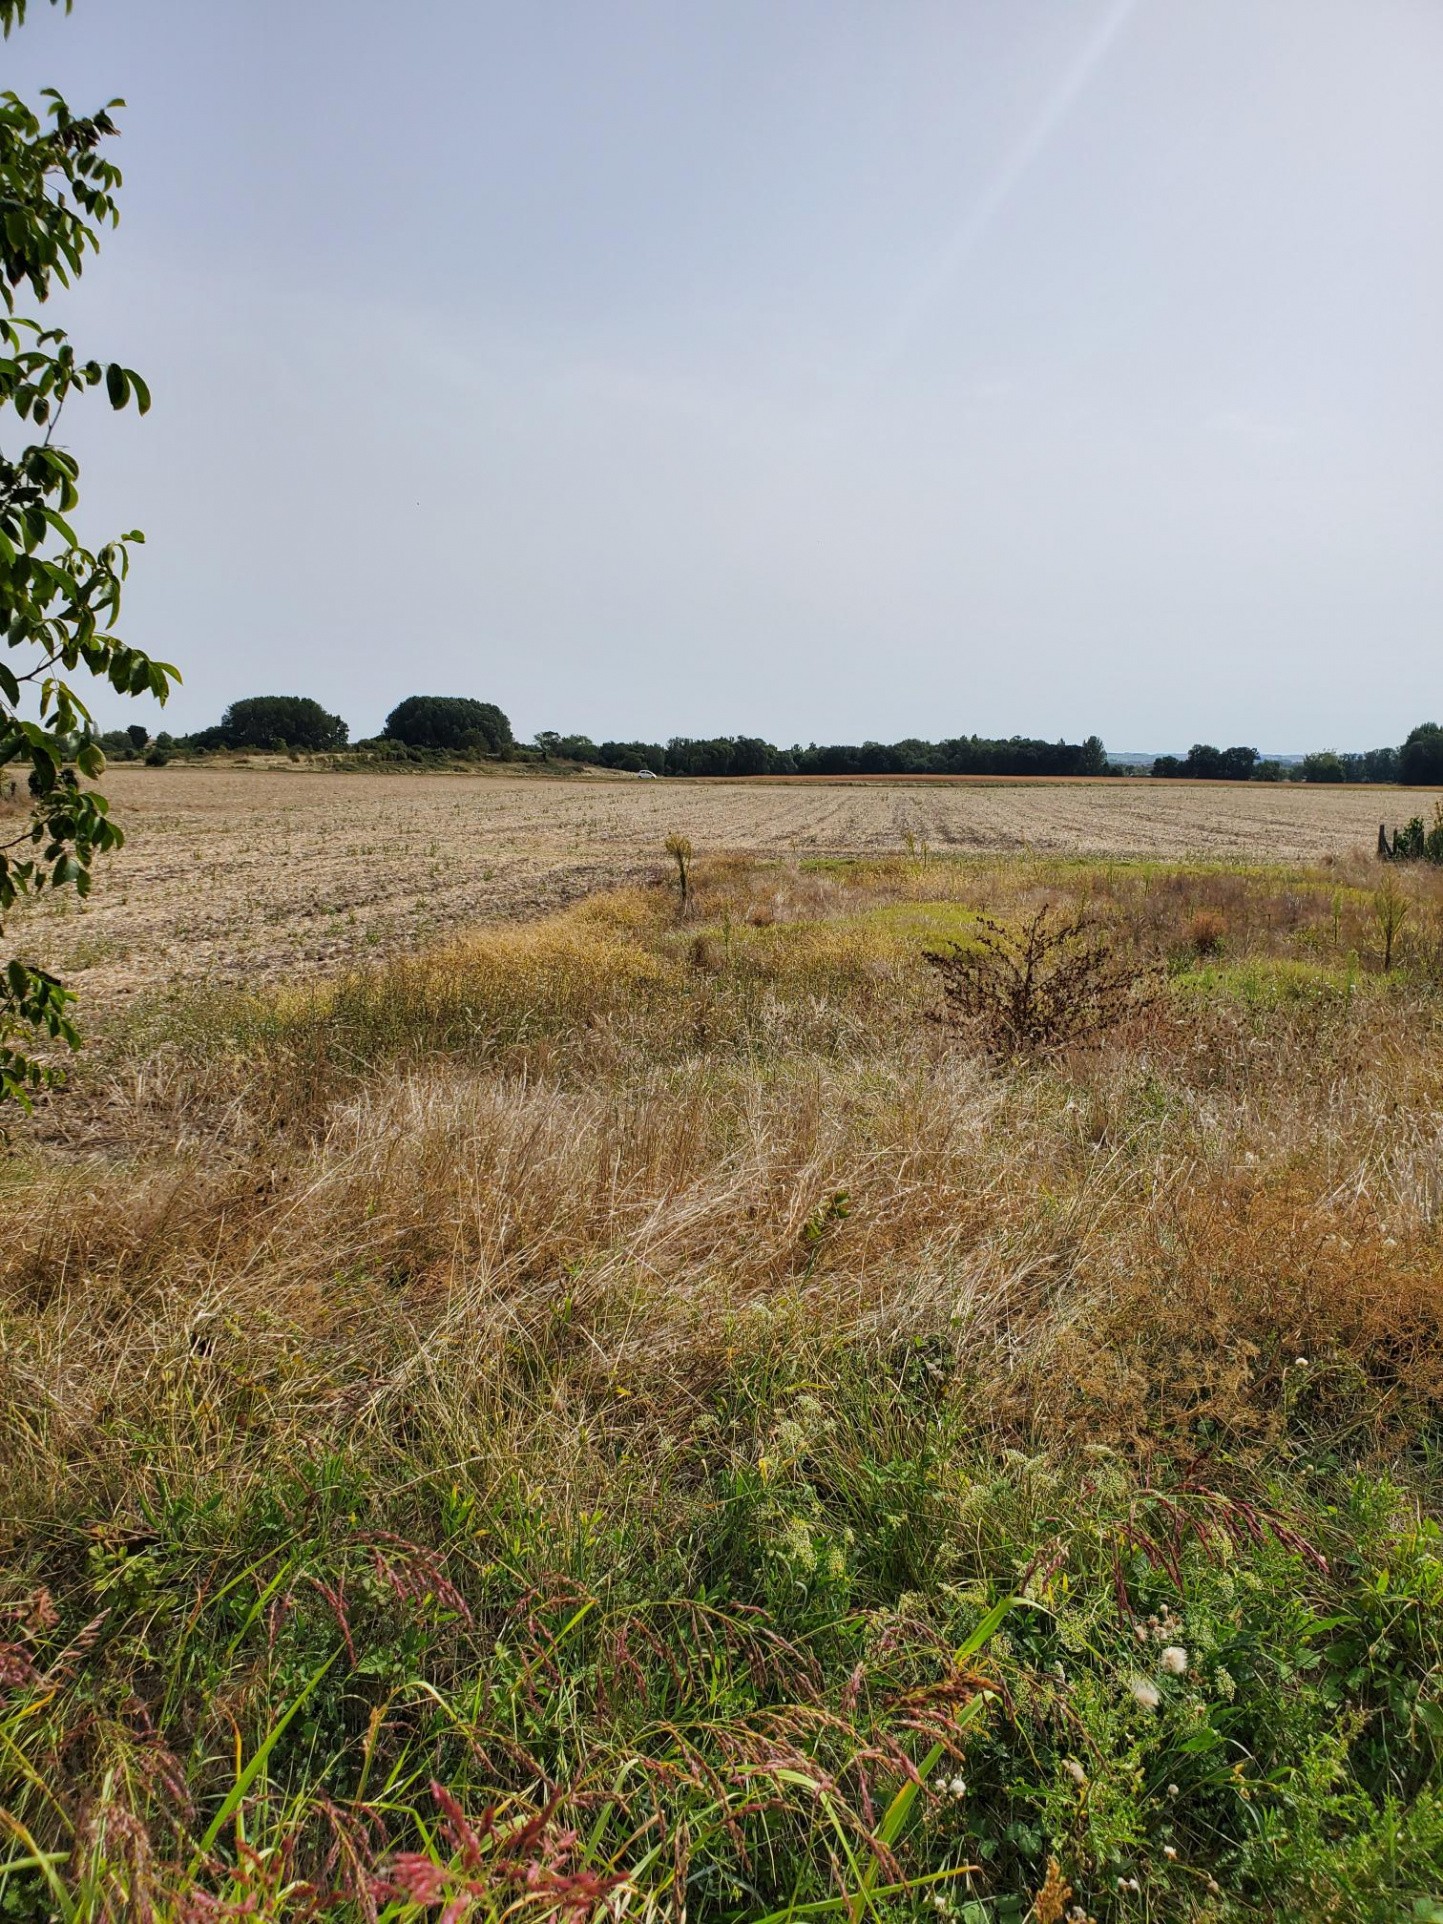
{"x": 1301, "y": 1362}
{"x": 1172, "y": 1790}
{"x": 796, "y": 1545}
{"x": 1169, "y": 1851}
{"x": 1145, "y": 1694}
{"x": 1174, "y": 1661}
{"x": 957, "y": 1789}
{"x": 1075, "y": 1771}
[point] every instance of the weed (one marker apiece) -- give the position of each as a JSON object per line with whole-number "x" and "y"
{"x": 1053, "y": 985}
{"x": 1207, "y": 932}
{"x": 678, "y": 847}
{"x": 608, "y": 1418}
{"x": 1390, "y": 911}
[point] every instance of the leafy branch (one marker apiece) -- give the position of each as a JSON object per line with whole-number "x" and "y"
{"x": 59, "y": 598}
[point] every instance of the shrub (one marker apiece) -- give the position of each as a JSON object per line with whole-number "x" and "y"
{"x": 1207, "y": 931}
{"x": 1050, "y": 987}
{"x": 454, "y": 723}
{"x": 1415, "y": 842}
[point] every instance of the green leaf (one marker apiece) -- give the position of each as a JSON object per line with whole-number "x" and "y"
{"x": 117, "y": 384}
{"x": 248, "y": 1775}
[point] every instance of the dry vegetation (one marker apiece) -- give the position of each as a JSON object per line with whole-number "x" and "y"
{"x": 626, "y": 1415}
{"x": 231, "y": 874}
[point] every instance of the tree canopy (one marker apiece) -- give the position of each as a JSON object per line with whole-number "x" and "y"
{"x": 1204, "y": 763}
{"x": 1420, "y": 759}
{"x": 452, "y": 722}
{"x": 266, "y": 721}
{"x": 58, "y": 597}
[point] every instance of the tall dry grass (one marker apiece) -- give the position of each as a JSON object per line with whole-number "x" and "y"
{"x": 686, "y": 1250}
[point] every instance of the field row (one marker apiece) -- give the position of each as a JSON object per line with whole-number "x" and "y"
{"x": 235, "y": 875}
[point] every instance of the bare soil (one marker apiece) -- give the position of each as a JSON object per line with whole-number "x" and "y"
{"x": 237, "y": 875}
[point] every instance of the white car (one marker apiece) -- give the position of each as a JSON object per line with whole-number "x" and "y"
{"x": 646, "y": 774}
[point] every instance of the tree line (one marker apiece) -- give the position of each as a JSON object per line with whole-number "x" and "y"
{"x": 455, "y": 725}
{"x": 427, "y": 726}
{"x": 750, "y": 755}
{"x": 1417, "y": 763}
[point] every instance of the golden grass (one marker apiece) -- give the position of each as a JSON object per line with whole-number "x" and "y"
{"x": 640, "y": 1241}
{"x": 646, "y": 1118}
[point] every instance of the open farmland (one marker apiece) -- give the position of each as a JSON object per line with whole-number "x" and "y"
{"x": 235, "y": 875}
{"x": 526, "y": 1398}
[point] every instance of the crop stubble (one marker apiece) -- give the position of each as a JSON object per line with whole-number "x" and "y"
{"x": 236, "y": 875}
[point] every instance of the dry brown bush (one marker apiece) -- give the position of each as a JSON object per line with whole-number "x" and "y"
{"x": 1053, "y": 984}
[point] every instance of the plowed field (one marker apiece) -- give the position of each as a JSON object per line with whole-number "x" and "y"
{"x": 241, "y": 874}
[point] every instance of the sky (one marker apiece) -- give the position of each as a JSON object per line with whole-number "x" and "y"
{"x": 817, "y": 369}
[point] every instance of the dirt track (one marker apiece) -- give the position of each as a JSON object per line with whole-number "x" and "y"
{"x": 242, "y": 873}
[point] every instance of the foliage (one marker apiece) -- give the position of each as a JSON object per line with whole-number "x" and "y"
{"x": 275, "y": 722}
{"x": 1052, "y": 985}
{"x": 1204, "y": 763}
{"x": 1420, "y": 759}
{"x": 1415, "y": 841}
{"x": 1376, "y": 765}
{"x": 58, "y": 598}
{"x": 452, "y": 722}
{"x": 742, "y": 755}
{"x": 1323, "y": 766}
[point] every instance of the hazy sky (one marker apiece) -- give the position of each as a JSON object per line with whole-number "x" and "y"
{"x": 821, "y": 369}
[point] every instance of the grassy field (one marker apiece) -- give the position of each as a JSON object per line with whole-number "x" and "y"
{"x": 624, "y": 1413}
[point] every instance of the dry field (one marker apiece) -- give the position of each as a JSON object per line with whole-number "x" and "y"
{"x": 245, "y": 874}
{"x": 621, "y": 1414}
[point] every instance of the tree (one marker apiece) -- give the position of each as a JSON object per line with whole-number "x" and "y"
{"x": 1323, "y": 766}
{"x": 1420, "y": 759}
{"x": 451, "y": 722}
{"x": 1204, "y": 763}
{"x": 58, "y": 599}
{"x": 139, "y": 735}
{"x": 261, "y": 721}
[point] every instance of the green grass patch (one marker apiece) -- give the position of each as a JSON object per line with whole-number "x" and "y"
{"x": 1265, "y": 982}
